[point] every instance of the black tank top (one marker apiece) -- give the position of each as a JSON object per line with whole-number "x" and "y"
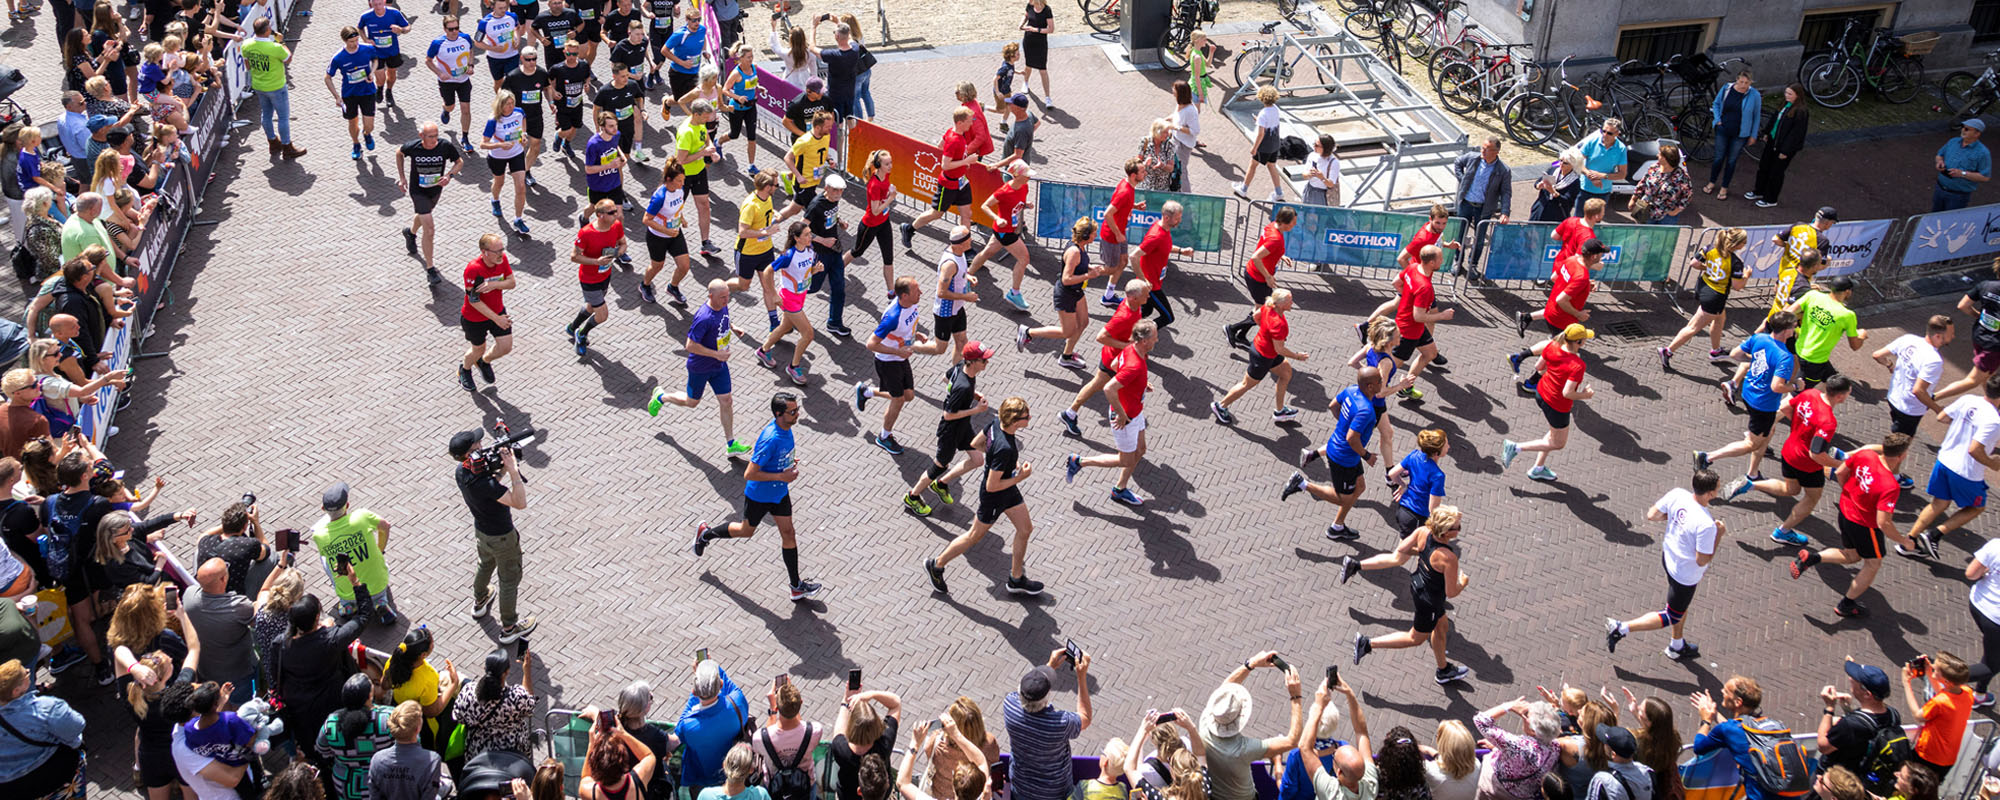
{"x": 1425, "y": 580}
{"x": 1075, "y": 290}
{"x": 632, "y": 790}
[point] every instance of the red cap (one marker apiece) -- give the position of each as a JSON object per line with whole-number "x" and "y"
{"x": 974, "y": 349}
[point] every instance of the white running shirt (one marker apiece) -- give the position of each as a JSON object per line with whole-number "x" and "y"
{"x": 1690, "y": 532}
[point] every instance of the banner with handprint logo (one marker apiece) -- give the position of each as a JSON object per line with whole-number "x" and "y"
{"x": 1850, "y": 247}
{"x": 1948, "y": 235}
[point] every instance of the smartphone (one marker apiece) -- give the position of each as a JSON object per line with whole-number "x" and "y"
{"x": 1333, "y": 676}
{"x": 1075, "y": 654}
{"x": 854, "y": 679}
{"x": 700, "y": 655}
{"x": 285, "y": 560}
{"x": 521, "y": 647}
{"x": 342, "y": 565}
{"x": 288, "y": 540}
{"x": 783, "y": 679}
{"x": 1279, "y": 662}
{"x": 608, "y": 718}
{"x": 173, "y": 599}
{"x": 1920, "y": 666}
{"x": 1168, "y": 717}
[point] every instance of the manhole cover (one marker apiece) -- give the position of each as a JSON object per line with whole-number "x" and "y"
{"x": 1628, "y": 330}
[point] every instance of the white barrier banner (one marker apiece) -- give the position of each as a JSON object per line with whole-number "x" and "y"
{"x": 1948, "y": 235}
{"x": 1850, "y": 247}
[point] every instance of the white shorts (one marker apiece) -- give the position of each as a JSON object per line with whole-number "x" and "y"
{"x": 1127, "y": 438}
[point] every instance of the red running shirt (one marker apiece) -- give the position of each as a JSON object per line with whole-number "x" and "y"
{"x": 1131, "y": 377}
{"x": 1559, "y": 367}
{"x": 1812, "y": 418}
{"x": 475, "y": 272}
{"x": 594, "y": 243}
{"x": 1415, "y": 292}
{"x": 980, "y": 138}
{"x": 1118, "y": 215}
{"x": 1153, "y": 253}
{"x": 1572, "y": 233}
{"x": 1424, "y": 237}
{"x": 1118, "y": 327}
{"x": 1573, "y": 279}
{"x": 1871, "y": 486}
{"x": 1271, "y": 241}
{"x": 1006, "y": 199}
{"x": 954, "y": 149}
{"x": 878, "y": 191}
{"x": 1271, "y": 328}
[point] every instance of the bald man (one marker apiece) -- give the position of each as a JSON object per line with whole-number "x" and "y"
{"x": 1353, "y": 776}
{"x": 222, "y": 619}
{"x": 433, "y": 162}
{"x": 1346, "y": 450}
{"x": 64, "y": 329}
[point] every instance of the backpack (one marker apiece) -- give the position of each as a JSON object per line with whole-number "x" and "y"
{"x": 59, "y": 537}
{"x": 24, "y": 263}
{"x": 1293, "y": 148}
{"x": 788, "y": 781}
{"x": 1888, "y": 748}
{"x": 1781, "y": 763}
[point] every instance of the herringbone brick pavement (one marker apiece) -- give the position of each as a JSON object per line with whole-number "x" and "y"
{"x": 302, "y": 348}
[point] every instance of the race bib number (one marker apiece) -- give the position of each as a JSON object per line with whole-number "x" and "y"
{"x": 505, "y": 39}
{"x": 512, "y": 135}
{"x": 625, "y": 113}
{"x": 357, "y": 75}
{"x": 722, "y": 340}
{"x": 385, "y": 40}
{"x": 663, "y": 22}
{"x": 586, "y": 14}
{"x": 430, "y": 181}
{"x": 531, "y": 96}
{"x": 1988, "y": 321}
{"x": 572, "y": 101}
{"x": 559, "y": 38}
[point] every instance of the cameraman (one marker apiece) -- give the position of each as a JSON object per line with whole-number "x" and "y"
{"x": 499, "y": 545}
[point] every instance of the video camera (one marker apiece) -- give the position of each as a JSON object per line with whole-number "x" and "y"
{"x": 486, "y": 460}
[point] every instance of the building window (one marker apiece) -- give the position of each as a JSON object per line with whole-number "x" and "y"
{"x": 1985, "y": 20}
{"x": 1819, "y": 29}
{"x": 1656, "y": 43}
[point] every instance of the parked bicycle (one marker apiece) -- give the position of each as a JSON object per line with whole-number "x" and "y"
{"x": 1488, "y": 83}
{"x": 1432, "y": 33}
{"x": 1887, "y": 66}
{"x": 1966, "y": 95}
{"x": 1253, "y": 62}
{"x": 1569, "y": 112}
{"x": 1377, "y": 19}
{"x": 1188, "y": 17}
{"x": 1694, "y": 121}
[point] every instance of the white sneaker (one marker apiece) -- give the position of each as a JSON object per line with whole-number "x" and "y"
{"x": 1241, "y": 189}
{"x": 1277, "y": 195}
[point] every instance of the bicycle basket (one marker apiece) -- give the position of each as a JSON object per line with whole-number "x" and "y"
{"x": 1697, "y": 69}
{"x": 1920, "y": 43}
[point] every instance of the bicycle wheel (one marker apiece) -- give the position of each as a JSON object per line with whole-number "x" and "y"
{"x": 1418, "y": 44}
{"x": 1458, "y": 88}
{"x": 1246, "y": 68}
{"x": 1813, "y": 62}
{"x": 1651, "y": 125}
{"x": 1443, "y": 57}
{"x": 1896, "y": 83}
{"x": 1365, "y": 24}
{"x": 1695, "y": 127}
{"x": 1834, "y": 85}
{"x": 1957, "y": 92}
{"x": 1105, "y": 17}
{"x": 1531, "y": 119}
{"x": 1174, "y": 48}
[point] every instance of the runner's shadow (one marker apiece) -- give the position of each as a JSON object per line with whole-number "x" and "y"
{"x": 1035, "y": 638}
{"x": 1672, "y": 688}
{"x": 1621, "y": 381}
{"x": 1168, "y": 553}
{"x": 809, "y": 636}
{"x": 1463, "y": 402}
{"x": 1589, "y": 510}
{"x": 1395, "y": 582}
{"x": 1458, "y": 706}
{"x": 622, "y": 387}
{"x": 728, "y": 483}
{"x": 1614, "y": 438}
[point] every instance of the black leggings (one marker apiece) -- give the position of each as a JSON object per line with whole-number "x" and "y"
{"x": 1989, "y": 650}
{"x": 871, "y": 233}
{"x": 1161, "y": 303}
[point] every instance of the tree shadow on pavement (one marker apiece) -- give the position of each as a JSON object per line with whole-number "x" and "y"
{"x": 804, "y": 632}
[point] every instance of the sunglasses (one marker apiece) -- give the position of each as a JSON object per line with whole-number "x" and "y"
{"x": 607, "y": 213}
{"x": 790, "y": 412}
{"x": 451, "y": 29}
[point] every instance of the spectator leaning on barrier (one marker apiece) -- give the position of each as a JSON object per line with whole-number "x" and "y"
{"x": 1962, "y": 164}
{"x": 1040, "y": 734}
{"x": 1742, "y": 700}
{"x": 1485, "y": 189}
{"x": 1944, "y": 715}
{"x": 1230, "y": 752}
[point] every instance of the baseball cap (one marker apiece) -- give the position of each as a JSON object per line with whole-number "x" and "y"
{"x": 463, "y": 442}
{"x": 1035, "y": 684}
{"x": 118, "y": 135}
{"x": 975, "y": 349}
{"x": 99, "y": 122}
{"x": 1618, "y": 739}
{"x": 1829, "y": 214}
{"x": 815, "y": 85}
{"x": 1021, "y": 99}
{"x": 1976, "y": 124}
{"x": 1871, "y": 678}
{"x": 1594, "y": 247}
{"x": 335, "y": 497}
{"x": 1577, "y": 333}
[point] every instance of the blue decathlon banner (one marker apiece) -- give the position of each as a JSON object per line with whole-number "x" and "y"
{"x": 1060, "y": 205}
{"x": 1357, "y": 238}
{"x": 1947, "y": 235}
{"x": 1525, "y": 251}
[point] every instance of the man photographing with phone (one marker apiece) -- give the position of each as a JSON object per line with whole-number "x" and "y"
{"x": 351, "y": 542}
{"x": 1040, "y": 733}
{"x": 491, "y": 495}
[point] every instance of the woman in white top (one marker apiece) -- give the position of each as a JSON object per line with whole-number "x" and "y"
{"x": 1452, "y": 768}
{"x": 1323, "y": 174}
{"x": 1187, "y": 126}
{"x": 799, "y": 60}
{"x": 1986, "y": 614}
{"x": 1264, "y": 146}
{"x": 786, "y": 733}
{"x": 505, "y": 154}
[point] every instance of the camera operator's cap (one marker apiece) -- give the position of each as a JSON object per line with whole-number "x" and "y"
{"x": 1035, "y": 685}
{"x": 462, "y": 442}
{"x": 334, "y": 498}
{"x": 977, "y": 350}
{"x": 1228, "y": 708}
{"x": 815, "y": 85}
{"x": 1829, "y": 214}
{"x": 1618, "y": 739}
{"x": 1976, "y": 124}
{"x": 1019, "y": 99}
{"x": 1870, "y": 677}
{"x": 1577, "y": 333}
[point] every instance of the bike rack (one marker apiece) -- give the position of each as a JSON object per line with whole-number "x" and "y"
{"x": 1360, "y": 91}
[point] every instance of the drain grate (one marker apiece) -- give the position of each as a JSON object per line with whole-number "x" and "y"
{"x": 1627, "y": 330}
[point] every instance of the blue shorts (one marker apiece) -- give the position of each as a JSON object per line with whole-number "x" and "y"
{"x": 499, "y": 67}
{"x": 717, "y": 380}
{"x": 1948, "y": 485}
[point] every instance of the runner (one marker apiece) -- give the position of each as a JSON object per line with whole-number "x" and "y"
{"x": 1569, "y": 290}
{"x": 504, "y": 153}
{"x": 1983, "y": 303}
{"x": 1346, "y": 449}
{"x": 591, "y": 12}
{"x": 1572, "y": 232}
{"x": 558, "y": 26}
{"x": 1427, "y": 235}
{"x": 355, "y": 64}
{"x": 450, "y": 58}
{"x": 525, "y": 12}
{"x": 433, "y": 162}
{"x": 569, "y": 83}
{"x": 484, "y": 312}
{"x": 1128, "y": 407}
{"x": 682, "y": 48}
{"x": 1004, "y": 206}
{"x": 895, "y": 339}
{"x": 623, "y": 98}
{"x": 1154, "y": 250}
{"x": 1557, "y": 393}
{"x": 1268, "y": 356}
{"x": 708, "y": 339}
{"x": 767, "y": 491}
{"x": 1722, "y": 271}
{"x": 962, "y": 402}
{"x": 823, "y": 220}
{"x": 1112, "y": 232}
{"x": 999, "y": 495}
{"x": 1114, "y": 338}
{"x": 498, "y": 35}
{"x": 1803, "y": 255}
{"x": 754, "y": 225}
{"x": 1868, "y": 493}
{"x": 954, "y": 288}
{"x": 693, "y": 151}
{"x": 875, "y": 219}
{"x": 1914, "y": 372}
{"x": 527, "y": 83}
{"x": 1807, "y": 453}
{"x": 1416, "y": 315}
{"x": 1261, "y": 268}
{"x": 381, "y": 26}
{"x": 1380, "y": 353}
{"x": 739, "y": 98}
{"x": 628, "y": 52}
{"x": 663, "y": 235}
{"x": 1825, "y": 319}
{"x": 1070, "y": 310}
{"x": 604, "y": 164}
{"x": 1767, "y": 367}
{"x": 659, "y": 30}
{"x": 1686, "y": 549}
{"x": 795, "y": 269}
{"x": 1959, "y": 476}
{"x": 954, "y": 192}
{"x": 1419, "y": 480}
{"x": 807, "y": 163}
{"x": 597, "y": 246}
{"x": 1436, "y": 579}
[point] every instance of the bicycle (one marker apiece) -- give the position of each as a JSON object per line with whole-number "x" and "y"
{"x": 1431, "y": 33}
{"x": 1886, "y": 67}
{"x": 1463, "y": 87}
{"x": 1534, "y": 118}
{"x": 1849, "y": 41}
{"x": 1251, "y": 57}
{"x": 1188, "y": 16}
{"x": 1377, "y": 19}
{"x": 1105, "y": 16}
{"x": 1968, "y": 96}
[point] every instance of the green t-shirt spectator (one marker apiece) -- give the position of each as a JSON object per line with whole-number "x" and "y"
{"x": 78, "y": 234}
{"x": 354, "y": 536}
{"x": 266, "y": 60}
{"x": 1823, "y": 322}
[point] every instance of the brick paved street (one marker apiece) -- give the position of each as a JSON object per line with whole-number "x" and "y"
{"x": 302, "y": 347}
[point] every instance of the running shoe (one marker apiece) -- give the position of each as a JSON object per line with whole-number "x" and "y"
{"x": 1071, "y": 361}
{"x": 1450, "y": 673}
{"x": 1015, "y": 299}
{"x": 861, "y": 393}
{"x": 1687, "y": 651}
{"x": 1071, "y": 466}
{"x": 1069, "y": 423}
{"x": 368, "y": 139}
{"x": 1612, "y": 634}
{"x": 708, "y": 248}
{"x": 936, "y": 573}
{"x": 1752, "y": 196}
{"x": 485, "y": 369}
{"x": 1805, "y": 560}
{"x": 1666, "y": 360}
{"x": 1277, "y": 196}
{"x": 1240, "y": 190}
{"x": 1286, "y": 414}
{"x": 1221, "y": 414}
{"x": 700, "y": 539}
{"x": 1928, "y": 541}
{"x": 1411, "y": 394}
{"x": 514, "y": 633}
{"x": 1736, "y": 488}
{"x": 1701, "y": 461}
{"x": 640, "y": 156}
{"x": 1541, "y": 474}
{"x": 481, "y": 608}
{"x": 433, "y": 275}
{"x": 1024, "y": 586}
{"x": 1850, "y": 608}
{"x": 103, "y": 673}
{"x": 1110, "y": 300}
{"x": 444, "y": 117}
{"x": 1349, "y": 567}
{"x": 753, "y": 170}
{"x": 943, "y": 492}
{"x": 1361, "y": 647}
{"x": 1718, "y": 355}
{"x": 675, "y": 298}
{"x": 841, "y": 331}
{"x": 1020, "y": 338}
{"x": 465, "y": 380}
{"x": 764, "y": 357}
{"x": 888, "y": 443}
{"x": 1127, "y": 496}
{"x": 736, "y": 448}
{"x": 529, "y": 179}
{"x": 464, "y": 141}
{"x": 1982, "y": 700}
{"x": 1361, "y": 331}
{"x": 1514, "y": 362}
{"x": 797, "y": 373}
{"x": 1341, "y": 533}
{"x": 521, "y": 226}
{"x": 1441, "y": 361}
{"x": 1307, "y": 455}
{"x": 804, "y": 589}
{"x": 1293, "y": 485}
{"x": 909, "y": 234}
{"x": 646, "y": 293}
{"x": 410, "y": 241}
{"x": 1508, "y": 451}
{"x": 916, "y": 505}
{"x": 582, "y": 346}
{"x": 356, "y": 155}
{"x": 1906, "y": 482}
{"x": 1728, "y": 393}
{"x": 1786, "y": 536}
{"x": 496, "y": 210}
{"x": 1521, "y": 322}
{"x": 1766, "y": 204}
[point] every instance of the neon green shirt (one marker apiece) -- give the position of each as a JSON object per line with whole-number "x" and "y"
{"x": 691, "y": 139}
{"x": 266, "y": 60}
{"x": 1823, "y": 322}
{"x": 354, "y": 536}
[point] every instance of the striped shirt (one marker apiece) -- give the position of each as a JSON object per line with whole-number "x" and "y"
{"x": 1040, "y": 768}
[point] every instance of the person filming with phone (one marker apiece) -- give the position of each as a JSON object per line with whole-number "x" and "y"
{"x": 1230, "y": 751}
{"x": 1040, "y": 733}
{"x": 492, "y": 495}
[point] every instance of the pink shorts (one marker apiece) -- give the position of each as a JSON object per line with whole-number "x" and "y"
{"x": 1987, "y": 361}
{"x": 792, "y": 302}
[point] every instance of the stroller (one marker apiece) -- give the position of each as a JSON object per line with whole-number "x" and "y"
{"x": 11, "y": 113}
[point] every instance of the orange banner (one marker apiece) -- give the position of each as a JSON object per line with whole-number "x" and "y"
{"x": 915, "y": 170}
